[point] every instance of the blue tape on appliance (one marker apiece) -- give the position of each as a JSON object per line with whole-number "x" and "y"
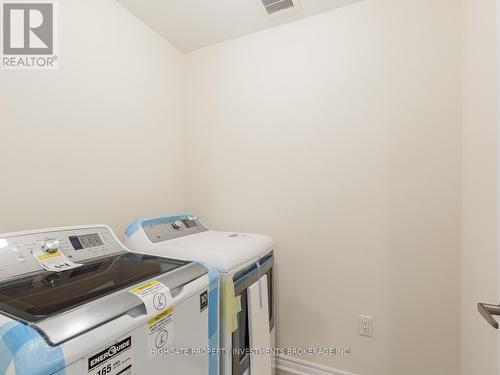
{"x": 132, "y": 228}
{"x": 28, "y": 350}
{"x": 213, "y": 318}
{"x": 6, "y": 356}
{"x": 138, "y": 224}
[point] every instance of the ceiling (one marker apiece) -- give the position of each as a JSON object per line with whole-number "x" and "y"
{"x": 193, "y": 24}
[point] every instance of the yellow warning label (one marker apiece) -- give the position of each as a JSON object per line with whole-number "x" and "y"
{"x": 144, "y": 286}
{"x": 49, "y": 255}
{"x": 155, "y": 319}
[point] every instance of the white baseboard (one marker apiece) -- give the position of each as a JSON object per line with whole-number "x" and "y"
{"x": 300, "y": 367}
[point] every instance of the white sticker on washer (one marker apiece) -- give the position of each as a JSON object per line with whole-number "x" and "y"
{"x": 160, "y": 324}
{"x": 55, "y": 262}
{"x": 115, "y": 359}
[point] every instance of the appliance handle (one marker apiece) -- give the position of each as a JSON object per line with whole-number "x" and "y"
{"x": 487, "y": 311}
{"x": 267, "y": 265}
{"x": 243, "y": 282}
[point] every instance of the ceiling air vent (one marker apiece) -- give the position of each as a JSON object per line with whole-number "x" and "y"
{"x": 275, "y": 6}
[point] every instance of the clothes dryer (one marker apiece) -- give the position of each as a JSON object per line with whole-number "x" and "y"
{"x": 245, "y": 263}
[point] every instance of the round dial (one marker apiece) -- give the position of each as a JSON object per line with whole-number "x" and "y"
{"x": 177, "y": 225}
{"x": 51, "y": 245}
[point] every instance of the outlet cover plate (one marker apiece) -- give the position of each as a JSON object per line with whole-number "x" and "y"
{"x": 365, "y": 325}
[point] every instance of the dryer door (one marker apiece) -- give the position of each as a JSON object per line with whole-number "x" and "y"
{"x": 267, "y": 268}
{"x": 241, "y": 337}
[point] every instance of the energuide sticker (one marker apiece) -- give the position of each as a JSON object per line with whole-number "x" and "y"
{"x": 160, "y": 326}
{"x": 55, "y": 262}
{"x": 115, "y": 359}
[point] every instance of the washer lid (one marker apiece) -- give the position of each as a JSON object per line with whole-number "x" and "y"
{"x": 225, "y": 251}
{"x": 65, "y": 304}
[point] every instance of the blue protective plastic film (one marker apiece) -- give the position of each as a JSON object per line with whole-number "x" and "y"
{"x": 213, "y": 318}
{"x": 28, "y": 350}
{"x": 135, "y": 226}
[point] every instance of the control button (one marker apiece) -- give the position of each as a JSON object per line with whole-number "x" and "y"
{"x": 177, "y": 225}
{"x": 16, "y": 249}
{"x": 51, "y": 245}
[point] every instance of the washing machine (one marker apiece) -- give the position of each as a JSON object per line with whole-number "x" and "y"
{"x": 76, "y": 301}
{"x": 245, "y": 263}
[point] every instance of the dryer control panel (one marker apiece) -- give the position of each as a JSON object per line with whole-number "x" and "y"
{"x": 170, "y": 227}
{"x": 79, "y": 244}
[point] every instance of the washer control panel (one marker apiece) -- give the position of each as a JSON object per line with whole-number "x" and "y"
{"x": 79, "y": 244}
{"x": 171, "y": 227}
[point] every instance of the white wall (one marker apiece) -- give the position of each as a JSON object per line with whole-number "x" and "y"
{"x": 100, "y": 139}
{"x": 340, "y": 136}
{"x": 479, "y": 225}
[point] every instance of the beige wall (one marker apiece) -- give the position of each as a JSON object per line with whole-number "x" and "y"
{"x": 479, "y": 226}
{"x": 340, "y": 136}
{"x": 100, "y": 139}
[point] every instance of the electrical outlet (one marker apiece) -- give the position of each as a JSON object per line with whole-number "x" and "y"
{"x": 365, "y": 326}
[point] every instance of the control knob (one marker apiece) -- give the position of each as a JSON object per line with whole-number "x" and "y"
{"x": 51, "y": 245}
{"x": 177, "y": 225}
